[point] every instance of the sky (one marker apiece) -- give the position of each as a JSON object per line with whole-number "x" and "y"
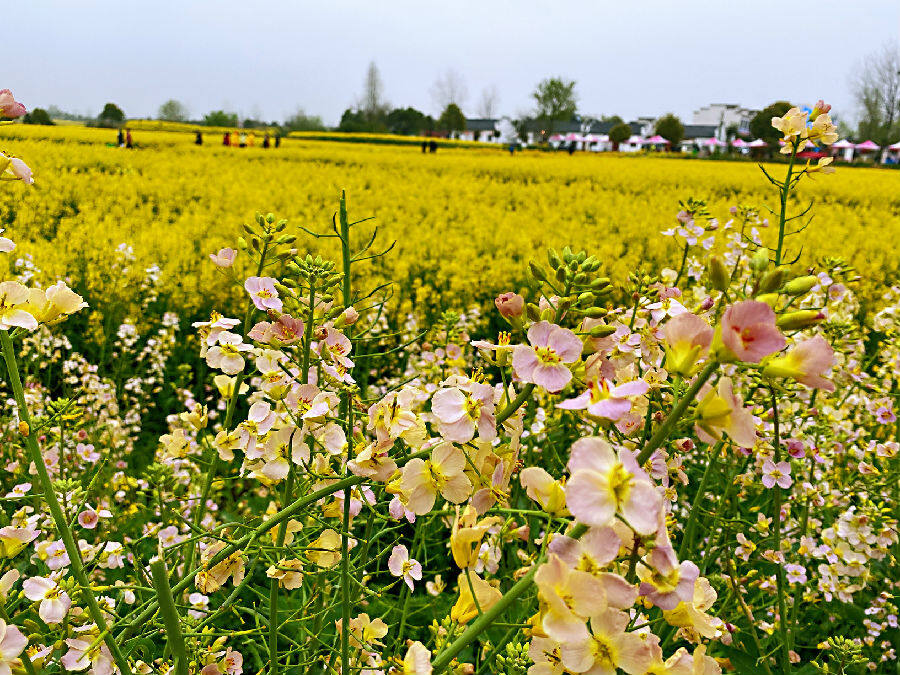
{"x": 267, "y": 59}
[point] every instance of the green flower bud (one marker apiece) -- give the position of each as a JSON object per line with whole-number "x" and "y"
{"x": 760, "y": 261}
{"x": 536, "y": 271}
{"x": 771, "y": 280}
{"x": 595, "y": 312}
{"x": 718, "y": 274}
{"x": 803, "y": 318}
{"x": 602, "y": 331}
{"x": 801, "y": 285}
{"x": 553, "y": 258}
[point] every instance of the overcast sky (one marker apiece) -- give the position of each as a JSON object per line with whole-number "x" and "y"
{"x": 637, "y": 57}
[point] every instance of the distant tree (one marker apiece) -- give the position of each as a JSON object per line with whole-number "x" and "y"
{"x": 409, "y": 121}
{"x": 612, "y": 119}
{"x": 670, "y": 127}
{"x": 877, "y": 91}
{"x": 555, "y": 101}
{"x": 111, "y": 115}
{"x": 449, "y": 88}
{"x": 619, "y": 134}
{"x": 172, "y": 111}
{"x": 452, "y": 119}
{"x": 355, "y": 120}
{"x": 373, "y": 103}
{"x": 300, "y": 121}
{"x": 761, "y": 124}
{"x": 38, "y": 116}
{"x": 487, "y": 106}
{"x": 220, "y": 118}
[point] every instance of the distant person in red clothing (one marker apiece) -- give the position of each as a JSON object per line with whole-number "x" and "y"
{"x": 129, "y": 142}
{"x": 226, "y": 139}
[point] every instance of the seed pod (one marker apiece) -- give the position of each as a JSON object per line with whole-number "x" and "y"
{"x": 585, "y": 299}
{"x": 595, "y": 312}
{"x": 532, "y": 312}
{"x": 562, "y": 273}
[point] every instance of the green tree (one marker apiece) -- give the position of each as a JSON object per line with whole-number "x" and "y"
{"x": 300, "y": 121}
{"x": 220, "y": 118}
{"x": 619, "y": 134}
{"x": 172, "y": 111}
{"x": 877, "y": 91}
{"x": 409, "y": 121}
{"x": 670, "y": 127}
{"x": 452, "y": 119}
{"x": 111, "y": 115}
{"x": 38, "y": 116}
{"x": 761, "y": 124}
{"x": 612, "y": 119}
{"x": 555, "y": 101}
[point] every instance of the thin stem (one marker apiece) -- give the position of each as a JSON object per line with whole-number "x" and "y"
{"x": 170, "y": 616}
{"x": 782, "y": 612}
{"x": 56, "y": 511}
{"x": 782, "y": 219}
{"x": 662, "y": 432}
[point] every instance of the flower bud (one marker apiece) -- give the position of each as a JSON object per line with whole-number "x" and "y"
{"x": 771, "y": 299}
{"x": 760, "y": 261}
{"x": 536, "y": 271}
{"x": 532, "y": 312}
{"x": 510, "y": 305}
{"x": 801, "y": 285}
{"x": 803, "y": 318}
{"x": 718, "y": 274}
{"x": 586, "y": 298}
{"x": 602, "y": 330}
{"x": 771, "y": 280}
{"x": 242, "y": 243}
{"x": 553, "y": 259}
{"x": 595, "y": 312}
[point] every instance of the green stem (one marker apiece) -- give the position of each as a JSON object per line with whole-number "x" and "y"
{"x": 662, "y": 432}
{"x": 273, "y": 587}
{"x": 782, "y": 219}
{"x": 782, "y": 611}
{"x": 56, "y": 511}
{"x": 517, "y": 402}
{"x": 687, "y": 544}
{"x": 170, "y": 616}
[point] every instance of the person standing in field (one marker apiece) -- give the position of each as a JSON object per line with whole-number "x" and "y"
{"x": 226, "y": 139}
{"x": 199, "y": 139}
{"x": 266, "y": 141}
{"x": 233, "y": 139}
{"x": 251, "y": 139}
{"x": 432, "y": 145}
{"x": 129, "y": 142}
{"x": 120, "y": 138}
{"x": 277, "y": 140}
{"x": 242, "y": 140}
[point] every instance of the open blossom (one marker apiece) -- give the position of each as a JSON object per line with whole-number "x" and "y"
{"x": 6, "y": 245}
{"x": 543, "y": 361}
{"x": 721, "y": 410}
{"x": 608, "y": 648}
{"x": 9, "y": 106}
{"x": 605, "y": 399}
{"x": 665, "y": 581}
{"x": 13, "y": 296}
{"x": 224, "y": 258}
{"x": 13, "y": 168}
{"x": 417, "y": 660}
{"x": 604, "y": 483}
{"x": 423, "y": 479}
{"x": 12, "y": 643}
{"x": 226, "y": 355}
{"x": 776, "y": 473}
{"x": 288, "y": 572}
{"x": 463, "y": 409}
{"x": 54, "y": 601}
{"x": 687, "y": 340}
{"x": 749, "y": 332}
{"x": 401, "y": 565}
{"x": 89, "y": 518}
{"x": 54, "y": 303}
{"x": 544, "y": 489}
{"x": 263, "y": 293}
{"x": 807, "y": 362}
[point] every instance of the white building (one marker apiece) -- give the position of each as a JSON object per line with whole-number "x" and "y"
{"x": 724, "y": 115}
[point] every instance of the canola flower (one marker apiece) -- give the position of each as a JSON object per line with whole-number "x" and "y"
{"x": 696, "y": 475}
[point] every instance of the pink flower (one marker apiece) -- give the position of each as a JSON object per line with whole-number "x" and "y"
{"x": 721, "y": 410}
{"x": 749, "y": 332}
{"x": 9, "y": 106}
{"x": 776, "y": 473}
{"x": 510, "y": 305}
{"x": 226, "y": 355}
{"x": 807, "y": 362}
{"x": 54, "y": 601}
{"x": 603, "y": 484}
{"x": 12, "y": 643}
{"x": 603, "y": 399}
{"x": 224, "y": 258}
{"x": 89, "y": 518}
{"x": 21, "y": 171}
{"x": 687, "y": 339}
{"x": 80, "y": 656}
{"x": 463, "y": 409}
{"x": 543, "y": 361}
{"x": 263, "y": 293}
{"x": 664, "y": 581}
{"x": 401, "y": 565}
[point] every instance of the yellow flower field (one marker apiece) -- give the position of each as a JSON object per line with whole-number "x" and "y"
{"x": 467, "y": 219}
